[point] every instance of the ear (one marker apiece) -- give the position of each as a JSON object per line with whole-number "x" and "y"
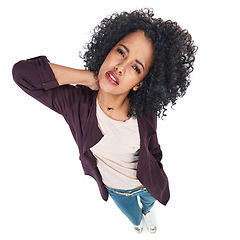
{"x": 136, "y": 87}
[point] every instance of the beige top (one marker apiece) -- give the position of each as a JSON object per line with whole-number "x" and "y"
{"x": 115, "y": 151}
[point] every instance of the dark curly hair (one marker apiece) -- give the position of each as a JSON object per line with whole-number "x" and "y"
{"x": 174, "y": 49}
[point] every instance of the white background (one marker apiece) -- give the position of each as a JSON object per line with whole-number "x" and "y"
{"x": 43, "y": 191}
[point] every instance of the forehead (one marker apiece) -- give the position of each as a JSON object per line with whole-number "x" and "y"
{"x": 139, "y": 46}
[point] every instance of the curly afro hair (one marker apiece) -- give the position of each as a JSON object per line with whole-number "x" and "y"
{"x": 174, "y": 49}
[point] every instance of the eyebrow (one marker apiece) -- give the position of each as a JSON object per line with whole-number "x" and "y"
{"x": 128, "y": 52}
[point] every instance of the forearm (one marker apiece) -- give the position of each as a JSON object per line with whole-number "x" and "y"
{"x": 66, "y": 75}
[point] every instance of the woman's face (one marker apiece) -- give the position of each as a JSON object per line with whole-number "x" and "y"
{"x": 126, "y": 64}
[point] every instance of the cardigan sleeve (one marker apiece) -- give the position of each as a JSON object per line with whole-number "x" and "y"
{"x": 35, "y": 77}
{"x": 154, "y": 146}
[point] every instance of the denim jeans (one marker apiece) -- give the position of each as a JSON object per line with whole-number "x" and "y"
{"x": 127, "y": 202}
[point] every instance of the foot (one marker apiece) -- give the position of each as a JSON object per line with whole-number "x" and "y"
{"x": 150, "y": 221}
{"x": 139, "y": 228}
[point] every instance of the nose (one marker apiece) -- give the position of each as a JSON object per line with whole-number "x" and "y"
{"x": 120, "y": 69}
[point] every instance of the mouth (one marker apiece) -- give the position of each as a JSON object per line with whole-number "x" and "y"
{"x": 112, "y": 78}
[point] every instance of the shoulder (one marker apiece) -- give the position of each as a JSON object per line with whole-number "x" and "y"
{"x": 85, "y": 92}
{"x": 149, "y": 121}
{"x": 86, "y": 95}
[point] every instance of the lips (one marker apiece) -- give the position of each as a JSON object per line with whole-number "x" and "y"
{"x": 112, "y": 78}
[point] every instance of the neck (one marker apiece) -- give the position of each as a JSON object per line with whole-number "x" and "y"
{"x": 113, "y": 102}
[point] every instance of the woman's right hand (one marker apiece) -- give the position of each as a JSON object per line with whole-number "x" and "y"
{"x": 93, "y": 82}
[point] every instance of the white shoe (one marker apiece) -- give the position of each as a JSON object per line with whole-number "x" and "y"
{"x": 150, "y": 221}
{"x": 139, "y": 228}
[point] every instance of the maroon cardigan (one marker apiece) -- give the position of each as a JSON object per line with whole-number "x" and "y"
{"x": 77, "y": 104}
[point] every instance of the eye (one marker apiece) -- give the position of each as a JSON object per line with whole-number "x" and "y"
{"x": 137, "y": 69}
{"x": 120, "y": 51}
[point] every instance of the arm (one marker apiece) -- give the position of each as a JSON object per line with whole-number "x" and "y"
{"x": 154, "y": 146}
{"x": 155, "y": 149}
{"x": 36, "y": 77}
{"x": 66, "y": 75}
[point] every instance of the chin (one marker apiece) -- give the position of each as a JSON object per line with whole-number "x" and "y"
{"x": 104, "y": 87}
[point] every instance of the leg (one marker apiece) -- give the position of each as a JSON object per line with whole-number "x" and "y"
{"x": 147, "y": 201}
{"x": 129, "y": 206}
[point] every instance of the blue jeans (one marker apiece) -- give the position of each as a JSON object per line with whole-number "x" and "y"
{"x": 127, "y": 202}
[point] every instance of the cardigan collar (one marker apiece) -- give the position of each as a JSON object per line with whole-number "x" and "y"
{"x": 91, "y": 132}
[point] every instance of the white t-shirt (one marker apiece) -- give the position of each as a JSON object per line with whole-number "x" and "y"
{"x": 116, "y": 151}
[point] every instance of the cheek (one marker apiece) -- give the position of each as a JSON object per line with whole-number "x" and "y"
{"x": 105, "y": 65}
{"x": 108, "y": 59}
{"x": 109, "y": 62}
{"x": 130, "y": 83}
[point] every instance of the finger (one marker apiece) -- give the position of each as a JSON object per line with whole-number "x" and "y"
{"x": 96, "y": 77}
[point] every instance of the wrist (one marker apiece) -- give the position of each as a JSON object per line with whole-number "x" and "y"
{"x": 85, "y": 78}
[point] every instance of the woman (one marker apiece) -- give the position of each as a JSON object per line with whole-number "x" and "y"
{"x": 135, "y": 66}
